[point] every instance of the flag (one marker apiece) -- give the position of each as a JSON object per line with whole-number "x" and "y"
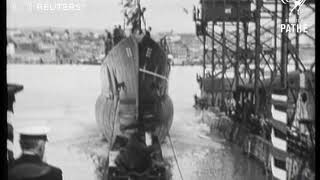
{"x": 128, "y": 3}
{"x": 185, "y": 10}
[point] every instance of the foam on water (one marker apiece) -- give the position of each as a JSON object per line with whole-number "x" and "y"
{"x": 64, "y": 98}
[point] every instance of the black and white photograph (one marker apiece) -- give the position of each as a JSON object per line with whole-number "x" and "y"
{"x": 160, "y": 89}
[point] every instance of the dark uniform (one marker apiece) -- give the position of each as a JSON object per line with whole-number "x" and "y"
{"x": 12, "y": 90}
{"x": 31, "y": 167}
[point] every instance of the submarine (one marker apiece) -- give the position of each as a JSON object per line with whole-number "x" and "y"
{"x": 134, "y": 111}
{"x": 134, "y": 88}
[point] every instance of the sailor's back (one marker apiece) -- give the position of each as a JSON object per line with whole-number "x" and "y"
{"x": 31, "y": 167}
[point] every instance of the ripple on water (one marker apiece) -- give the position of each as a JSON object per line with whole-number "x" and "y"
{"x": 58, "y": 94}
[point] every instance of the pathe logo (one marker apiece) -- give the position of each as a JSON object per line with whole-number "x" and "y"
{"x": 297, "y": 4}
{"x": 299, "y": 28}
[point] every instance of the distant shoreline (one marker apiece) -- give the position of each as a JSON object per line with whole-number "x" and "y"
{"x": 79, "y": 64}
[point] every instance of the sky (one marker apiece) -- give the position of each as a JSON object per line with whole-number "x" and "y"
{"x": 161, "y": 15}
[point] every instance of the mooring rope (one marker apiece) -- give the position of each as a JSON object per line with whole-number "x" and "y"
{"x": 153, "y": 74}
{"x": 202, "y": 115}
{"x": 113, "y": 125}
{"x": 175, "y": 157}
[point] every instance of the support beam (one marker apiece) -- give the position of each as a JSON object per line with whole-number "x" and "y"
{"x": 236, "y": 65}
{"x": 246, "y": 30}
{"x": 204, "y": 57}
{"x": 212, "y": 63}
{"x": 257, "y": 55}
{"x": 297, "y": 40}
{"x": 223, "y": 58}
{"x": 284, "y": 46}
{"x": 275, "y": 16}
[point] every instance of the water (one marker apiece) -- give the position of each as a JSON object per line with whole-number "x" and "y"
{"x": 63, "y": 97}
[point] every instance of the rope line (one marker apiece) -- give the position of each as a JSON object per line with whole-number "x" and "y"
{"x": 175, "y": 157}
{"x": 113, "y": 125}
{"x": 153, "y": 74}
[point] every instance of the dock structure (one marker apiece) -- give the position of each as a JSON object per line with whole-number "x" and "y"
{"x": 255, "y": 49}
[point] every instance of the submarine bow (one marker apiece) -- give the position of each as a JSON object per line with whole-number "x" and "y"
{"x": 134, "y": 93}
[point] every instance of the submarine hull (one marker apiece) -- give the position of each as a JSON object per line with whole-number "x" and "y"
{"x": 134, "y": 91}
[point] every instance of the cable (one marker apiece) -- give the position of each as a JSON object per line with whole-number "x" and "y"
{"x": 175, "y": 156}
{"x": 113, "y": 125}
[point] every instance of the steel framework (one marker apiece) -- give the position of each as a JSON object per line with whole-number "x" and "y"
{"x": 248, "y": 50}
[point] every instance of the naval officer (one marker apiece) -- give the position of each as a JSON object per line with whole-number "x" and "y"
{"x": 30, "y": 165}
{"x": 12, "y": 90}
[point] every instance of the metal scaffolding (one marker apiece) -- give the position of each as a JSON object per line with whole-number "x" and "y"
{"x": 246, "y": 42}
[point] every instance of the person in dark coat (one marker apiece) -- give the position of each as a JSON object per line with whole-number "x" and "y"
{"x": 116, "y": 35}
{"x": 12, "y": 90}
{"x": 148, "y": 32}
{"x": 30, "y": 165}
{"x": 108, "y": 43}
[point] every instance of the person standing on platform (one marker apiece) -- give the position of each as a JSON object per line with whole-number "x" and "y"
{"x": 107, "y": 43}
{"x": 121, "y": 33}
{"x": 30, "y": 165}
{"x": 116, "y": 35}
{"x": 148, "y": 32}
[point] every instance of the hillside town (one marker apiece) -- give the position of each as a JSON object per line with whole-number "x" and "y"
{"x": 63, "y": 46}
{"x": 53, "y": 47}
